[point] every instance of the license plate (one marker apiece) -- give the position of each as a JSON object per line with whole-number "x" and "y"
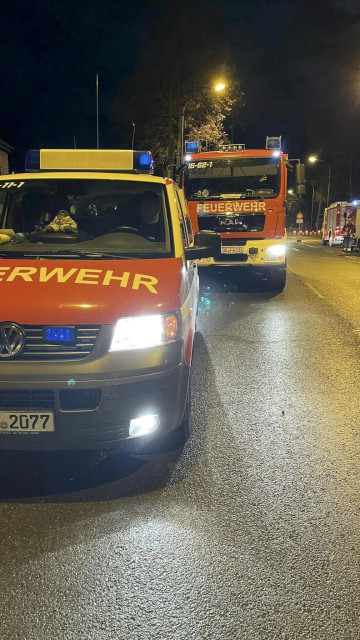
{"x": 232, "y": 249}
{"x": 26, "y": 422}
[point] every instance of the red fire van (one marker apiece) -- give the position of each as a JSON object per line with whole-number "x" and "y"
{"x": 99, "y": 289}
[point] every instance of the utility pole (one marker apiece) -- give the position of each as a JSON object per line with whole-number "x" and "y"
{"x": 97, "y": 111}
{"x": 133, "y": 135}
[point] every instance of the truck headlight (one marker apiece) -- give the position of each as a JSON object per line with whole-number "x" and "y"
{"x": 142, "y": 332}
{"x": 275, "y": 252}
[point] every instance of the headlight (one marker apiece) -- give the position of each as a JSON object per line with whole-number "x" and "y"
{"x": 142, "y": 332}
{"x": 275, "y": 252}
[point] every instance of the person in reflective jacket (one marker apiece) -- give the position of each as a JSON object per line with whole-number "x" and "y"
{"x": 349, "y": 231}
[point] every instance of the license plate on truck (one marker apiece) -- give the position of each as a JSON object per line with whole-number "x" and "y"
{"x": 26, "y": 422}
{"x": 231, "y": 249}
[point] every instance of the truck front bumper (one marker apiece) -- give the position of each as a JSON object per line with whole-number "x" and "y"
{"x": 251, "y": 253}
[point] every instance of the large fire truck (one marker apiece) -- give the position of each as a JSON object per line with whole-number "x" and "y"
{"x": 335, "y": 216}
{"x": 241, "y": 194}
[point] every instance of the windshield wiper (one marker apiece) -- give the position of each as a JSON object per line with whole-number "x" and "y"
{"x": 241, "y": 196}
{"x": 209, "y": 197}
{"x": 252, "y": 196}
{"x": 93, "y": 255}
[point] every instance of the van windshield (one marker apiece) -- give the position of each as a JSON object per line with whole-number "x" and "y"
{"x": 120, "y": 217}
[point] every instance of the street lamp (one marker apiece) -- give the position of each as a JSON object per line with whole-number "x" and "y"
{"x": 314, "y": 159}
{"x": 218, "y": 87}
{"x": 312, "y": 202}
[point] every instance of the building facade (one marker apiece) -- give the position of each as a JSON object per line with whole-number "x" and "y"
{"x": 5, "y": 149}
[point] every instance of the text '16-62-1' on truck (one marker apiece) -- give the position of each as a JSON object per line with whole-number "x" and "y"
{"x": 241, "y": 193}
{"x": 99, "y": 291}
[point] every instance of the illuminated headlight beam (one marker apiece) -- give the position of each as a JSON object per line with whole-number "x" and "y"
{"x": 144, "y": 425}
{"x": 143, "y": 332}
{"x": 276, "y": 251}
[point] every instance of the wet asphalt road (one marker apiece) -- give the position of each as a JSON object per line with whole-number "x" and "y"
{"x": 252, "y": 531}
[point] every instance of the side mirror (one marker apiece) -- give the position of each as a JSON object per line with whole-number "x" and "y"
{"x": 207, "y": 244}
{"x": 181, "y": 168}
{"x": 300, "y": 173}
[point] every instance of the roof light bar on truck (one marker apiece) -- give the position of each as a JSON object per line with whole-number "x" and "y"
{"x": 192, "y": 146}
{"x": 232, "y": 147}
{"x": 273, "y": 142}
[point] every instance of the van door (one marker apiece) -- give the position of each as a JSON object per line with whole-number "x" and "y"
{"x": 191, "y": 283}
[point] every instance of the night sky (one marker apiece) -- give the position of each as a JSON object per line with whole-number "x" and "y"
{"x": 298, "y": 64}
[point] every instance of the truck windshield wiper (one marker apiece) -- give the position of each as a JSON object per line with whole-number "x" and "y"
{"x": 252, "y": 196}
{"x": 241, "y": 196}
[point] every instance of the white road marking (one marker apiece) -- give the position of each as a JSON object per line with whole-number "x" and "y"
{"x": 313, "y": 246}
{"x": 314, "y": 290}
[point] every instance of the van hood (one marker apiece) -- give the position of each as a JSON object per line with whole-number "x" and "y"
{"x": 87, "y": 291}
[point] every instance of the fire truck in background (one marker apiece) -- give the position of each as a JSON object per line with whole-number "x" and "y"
{"x": 357, "y": 228}
{"x": 241, "y": 194}
{"x": 335, "y": 216}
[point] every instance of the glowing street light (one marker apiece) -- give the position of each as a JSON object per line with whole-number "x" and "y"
{"x": 313, "y": 160}
{"x": 218, "y": 87}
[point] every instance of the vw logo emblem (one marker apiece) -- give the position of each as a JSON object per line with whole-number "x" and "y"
{"x": 12, "y": 340}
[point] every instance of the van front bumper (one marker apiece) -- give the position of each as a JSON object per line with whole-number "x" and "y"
{"x": 93, "y": 413}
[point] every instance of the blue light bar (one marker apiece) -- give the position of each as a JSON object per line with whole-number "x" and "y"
{"x": 56, "y": 335}
{"x": 192, "y": 147}
{"x": 32, "y": 160}
{"x": 143, "y": 161}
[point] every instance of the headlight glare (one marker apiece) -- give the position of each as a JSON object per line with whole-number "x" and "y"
{"x": 142, "y": 332}
{"x": 275, "y": 252}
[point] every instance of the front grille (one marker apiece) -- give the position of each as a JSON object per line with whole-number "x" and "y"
{"x": 79, "y": 399}
{"x": 37, "y": 349}
{"x": 233, "y": 222}
{"x": 26, "y": 399}
{"x": 232, "y": 257}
